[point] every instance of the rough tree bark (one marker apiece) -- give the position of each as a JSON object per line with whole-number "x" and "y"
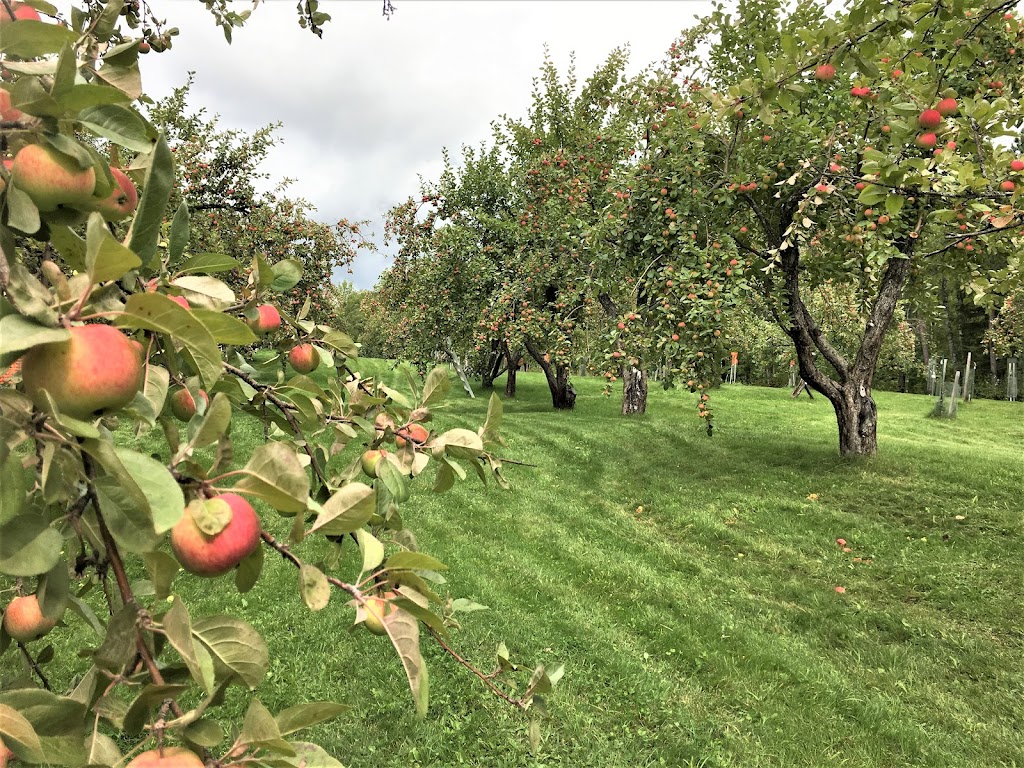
{"x": 850, "y": 390}
{"x": 563, "y": 394}
{"x": 492, "y": 366}
{"x": 634, "y": 378}
{"x": 512, "y": 365}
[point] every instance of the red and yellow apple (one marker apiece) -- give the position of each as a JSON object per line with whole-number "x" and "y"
{"x": 371, "y": 459}
{"x": 24, "y": 620}
{"x": 97, "y": 369}
{"x": 825, "y": 72}
{"x": 167, "y": 757}
{"x": 213, "y": 555}
{"x": 947, "y": 107}
{"x": 377, "y": 610}
{"x": 21, "y": 12}
{"x": 183, "y": 404}
{"x": 267, "y": 319}
{"x": 52, "y": 179}
{"x": 415, "y": 432}
{"x": 122, "y": 201}
{"x": 304, "y": 358}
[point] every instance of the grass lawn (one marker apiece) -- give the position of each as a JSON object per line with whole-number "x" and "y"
{"x": 689, "y": 586}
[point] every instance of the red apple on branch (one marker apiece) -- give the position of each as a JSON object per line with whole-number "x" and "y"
{"x": 268, "y": 319}
{"x": 52, "y": 179}
{"x": 24, "y": 620}
{"x": 167, "y": 757}
{"x": 206, "y": 554}
{"x": 304, "y": 358}
{"x": 415, "y": 432}
{"x": 97, "y": 369}
{"x": 183, "y": 404}
{"x": 825, "y": 72}
{"x": 122, "y": 201}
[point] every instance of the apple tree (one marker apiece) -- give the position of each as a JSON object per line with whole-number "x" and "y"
{"x": 110, "y": 344}
{"x": 866, "y": 146}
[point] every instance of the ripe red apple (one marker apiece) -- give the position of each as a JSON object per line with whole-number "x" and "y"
{"x": 947, "y": 107}
{"x": 304, "y": 358}
{"x": 21, "y": 12}
{"x": 184, "y": 406}
{"x": 269, "y": 319}
{"x": 926, "y": 141}
{"x": 825, "y": 72}
{"x": 52, "y": 179}
{"x": 930, "y": 118}
{"x": 1017, "y": 165}
{"x": 377, "y": 610}
{"x": 371, "y": 459}
{"x": 1007, "y": 186}
{"x": 206, "y": 555}
{"x": 97, "y": 369}
{"x": 168, "y": 757}
{"x": 415, "y": 432}
{"x": 122, "y": 201}
{"x": 7, "y": 112}
{"x": 860, "y": 92}
{"x": 24, "y": 620}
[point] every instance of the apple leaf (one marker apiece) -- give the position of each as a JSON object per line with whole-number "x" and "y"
{"x": 287, "y": 274}
{"x": 22, "y": 213}
{"x": 404, "y": 631}
{"x": 414, "y": 561}
{"x": 141, "y": 710}
{"x": 161, "y": 490}
{"x": 31, "y": 38}
{"x": 248, "y": 571}
{"x": 156, "y": 312}
{"x": 53, "y": 591}
{"x": 274, "y": 474}
{"x": 162, "y": 569}
{"x": 28, "y": 545}
{"x": 372, "y": 549}
{"x": 304, "y": 715}
{"x": 316, "y": 591}
{"x": 214, "y": 422}
{"x": 19, "y": 736}
{"x": 180, "y": 233}
{"x": 210, "y": 518}
{"x": 347, "y": 510}
{"x": 205, "y": 291}
{"x": 208, "y": 264}
{"x": 234, "y": 645}
{"x": 120, "y": 124}
{"x": 460, "y": 443}
{"x": 436, "y": 386}
{"x": 105, "y": 258}
{"x": 306, "y": 755}
{"x": 341, "y": 342}
{"x": 156, "y": 191}
{"x": 177, "y": 624}
{"x": 12, "y": 487}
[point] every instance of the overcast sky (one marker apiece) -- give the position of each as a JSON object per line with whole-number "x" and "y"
{"x": 366, "y": 110}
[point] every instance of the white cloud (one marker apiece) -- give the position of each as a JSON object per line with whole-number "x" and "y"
{"x": 371, "y": 105}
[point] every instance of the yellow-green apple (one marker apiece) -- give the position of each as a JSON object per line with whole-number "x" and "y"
{"x": 21, "y": 12}
{"x": 97, "y": 369}
{"x": 212, "y": 555}
{"x": 184, "y": 406}
{"x": 167, "y": 757}
{"x": 377, "y": 610}
{"x": 52, "y": 179}
{"x": 24, "y": 619}
{"x": 415, "y": 432}
{"x": 122, "y": 201}
{"x": 371, "y": 459}
{"x": 267, "y": 319}
{"x": 304, "y": 358}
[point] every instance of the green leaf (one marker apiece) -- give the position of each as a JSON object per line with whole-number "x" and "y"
{"x": 287, "y": 274}
{"x": 306, "y": 756}
{"x": 204, "y": 733}
{"x": 118, "y": 647}
{"x": 234, "y": 645}
{"x": 225, "y": 329}
{"x": 259, "y": 726}
{"x": 414, "y": 561}
{"x": 460, "y": 443}
{"x": 872, "y": 194}
{"x": 162, "y": 569}
{"x": 208, "y": 264}
{"x": 215, "y": 422}
{"x": 53, "y": 591}
{"x": 105, "y": 258}
{"x": 28, "y": 545}
{"x": 156, "y": 312}
{"x": 404, "y": 631}
{"x": 894, "y": 204}
{"x": 126, "y": 513}
{"x": 316, "y": 591}
{"x": 147, "y": 703}
{"x": 12, "y": 486}
{"x": 342, "y": 343}
{"x": 69, "y": 245}
{"x": 144, "y": 235}
{"x": 57, "y": 721}
{"x": 166, "y": 501}
{"x": 18, "y": 333}
{"x": 121, "y": 125}
{"x": 177, "y": 626}
{"x": 30, "y": 296}
{"x": 372, "y": 549}
{"x": 304, "y": 715}
{"x": 436, "y": 386}
{"x": 206, "y": 291}
{"x": 347, "y": 510}
{"x": 274, "y": 474}
{"x": 248, "y": 571}
{"x": 19, "y": 736}
{"x": 22, "y": 213}
{"x": 179, "y": 234}
{"x": 29, "y": 39}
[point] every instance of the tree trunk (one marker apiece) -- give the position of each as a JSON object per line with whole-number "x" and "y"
{"x": 993, "y": 361}
{"x": 512, "y": 365}
{"x": 492, "y": 366}
{"x": 857, "y": 418}
{"x": 563, "y": 394}
{"x": 634, "y": 390}
{"x": 952, "y": 327}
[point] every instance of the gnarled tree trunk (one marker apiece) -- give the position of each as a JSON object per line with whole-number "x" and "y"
{"x": 563, "y": 394}
{"x": 492, "y": 366}
{"x": 512, "y": 365}
{"x": 634, "y": 390}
